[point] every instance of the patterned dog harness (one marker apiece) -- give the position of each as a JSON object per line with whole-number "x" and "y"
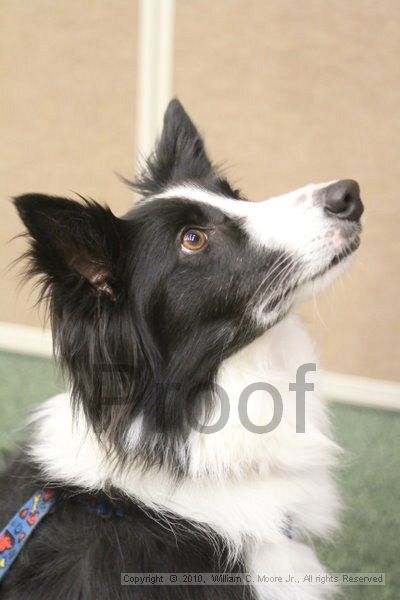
{"x": 17, "y": 531}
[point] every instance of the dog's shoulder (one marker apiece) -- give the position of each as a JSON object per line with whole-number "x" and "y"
{"x": 80, "y": 552}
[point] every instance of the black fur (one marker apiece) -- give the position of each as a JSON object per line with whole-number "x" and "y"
{"x": 125, "y": 302}
{"x": 141, "y": 329}
{"x": 131, "y": 350}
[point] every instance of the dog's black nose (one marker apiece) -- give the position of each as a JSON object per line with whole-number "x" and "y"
{"x": 342, "y": 199}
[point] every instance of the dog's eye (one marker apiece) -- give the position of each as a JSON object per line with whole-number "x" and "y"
{"x": 193, "y": 240}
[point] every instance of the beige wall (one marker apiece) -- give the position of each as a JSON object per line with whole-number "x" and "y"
{"x": 67, "y": 110}
{"x": 287, "y": 92}
{"x": 291, "y": 92}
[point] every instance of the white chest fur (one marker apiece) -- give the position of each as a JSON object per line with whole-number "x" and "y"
{"x": 242, "y": 484}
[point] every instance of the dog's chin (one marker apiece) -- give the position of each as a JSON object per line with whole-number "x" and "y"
{"x": 327, "y": 274}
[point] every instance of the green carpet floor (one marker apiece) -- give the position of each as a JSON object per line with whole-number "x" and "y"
{"x": 369, "y": 540}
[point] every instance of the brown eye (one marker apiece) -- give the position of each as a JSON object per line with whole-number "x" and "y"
{"x": 193, "y": 240}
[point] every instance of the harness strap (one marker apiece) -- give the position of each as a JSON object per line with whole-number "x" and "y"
{"x": 20, "y": 527}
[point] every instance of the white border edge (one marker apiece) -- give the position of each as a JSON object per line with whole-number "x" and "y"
{"x": 25, "y": 339}
{"x": 363, "y": 391}
{"x": 155, "y": 63}
{"x": 348, "y": 389}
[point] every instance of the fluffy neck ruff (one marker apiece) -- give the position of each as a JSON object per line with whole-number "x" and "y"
{"x": 241, "y": 484}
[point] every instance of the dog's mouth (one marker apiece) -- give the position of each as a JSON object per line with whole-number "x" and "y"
{"x": 340, "y": 256}
{"x": 347, "y": 251}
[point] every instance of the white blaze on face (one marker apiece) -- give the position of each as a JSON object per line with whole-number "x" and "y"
{"x": 294, "y": 223}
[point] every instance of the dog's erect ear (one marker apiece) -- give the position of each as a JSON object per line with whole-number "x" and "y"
{"x": 71, "y": 241}
{"x": 179, "y": 155}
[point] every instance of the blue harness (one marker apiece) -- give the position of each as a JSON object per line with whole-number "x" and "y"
{"x": 23, "y": 523}
{"x": 18, "y": 530}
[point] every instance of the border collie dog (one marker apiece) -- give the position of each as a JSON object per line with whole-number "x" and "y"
{"x": 163, "y": 320}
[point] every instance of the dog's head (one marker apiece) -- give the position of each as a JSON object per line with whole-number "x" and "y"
{"x": 145, "y": 307}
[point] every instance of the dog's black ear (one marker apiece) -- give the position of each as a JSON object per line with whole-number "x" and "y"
{"x": 72, "y": 242}
{"x": 179, "y": 155}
